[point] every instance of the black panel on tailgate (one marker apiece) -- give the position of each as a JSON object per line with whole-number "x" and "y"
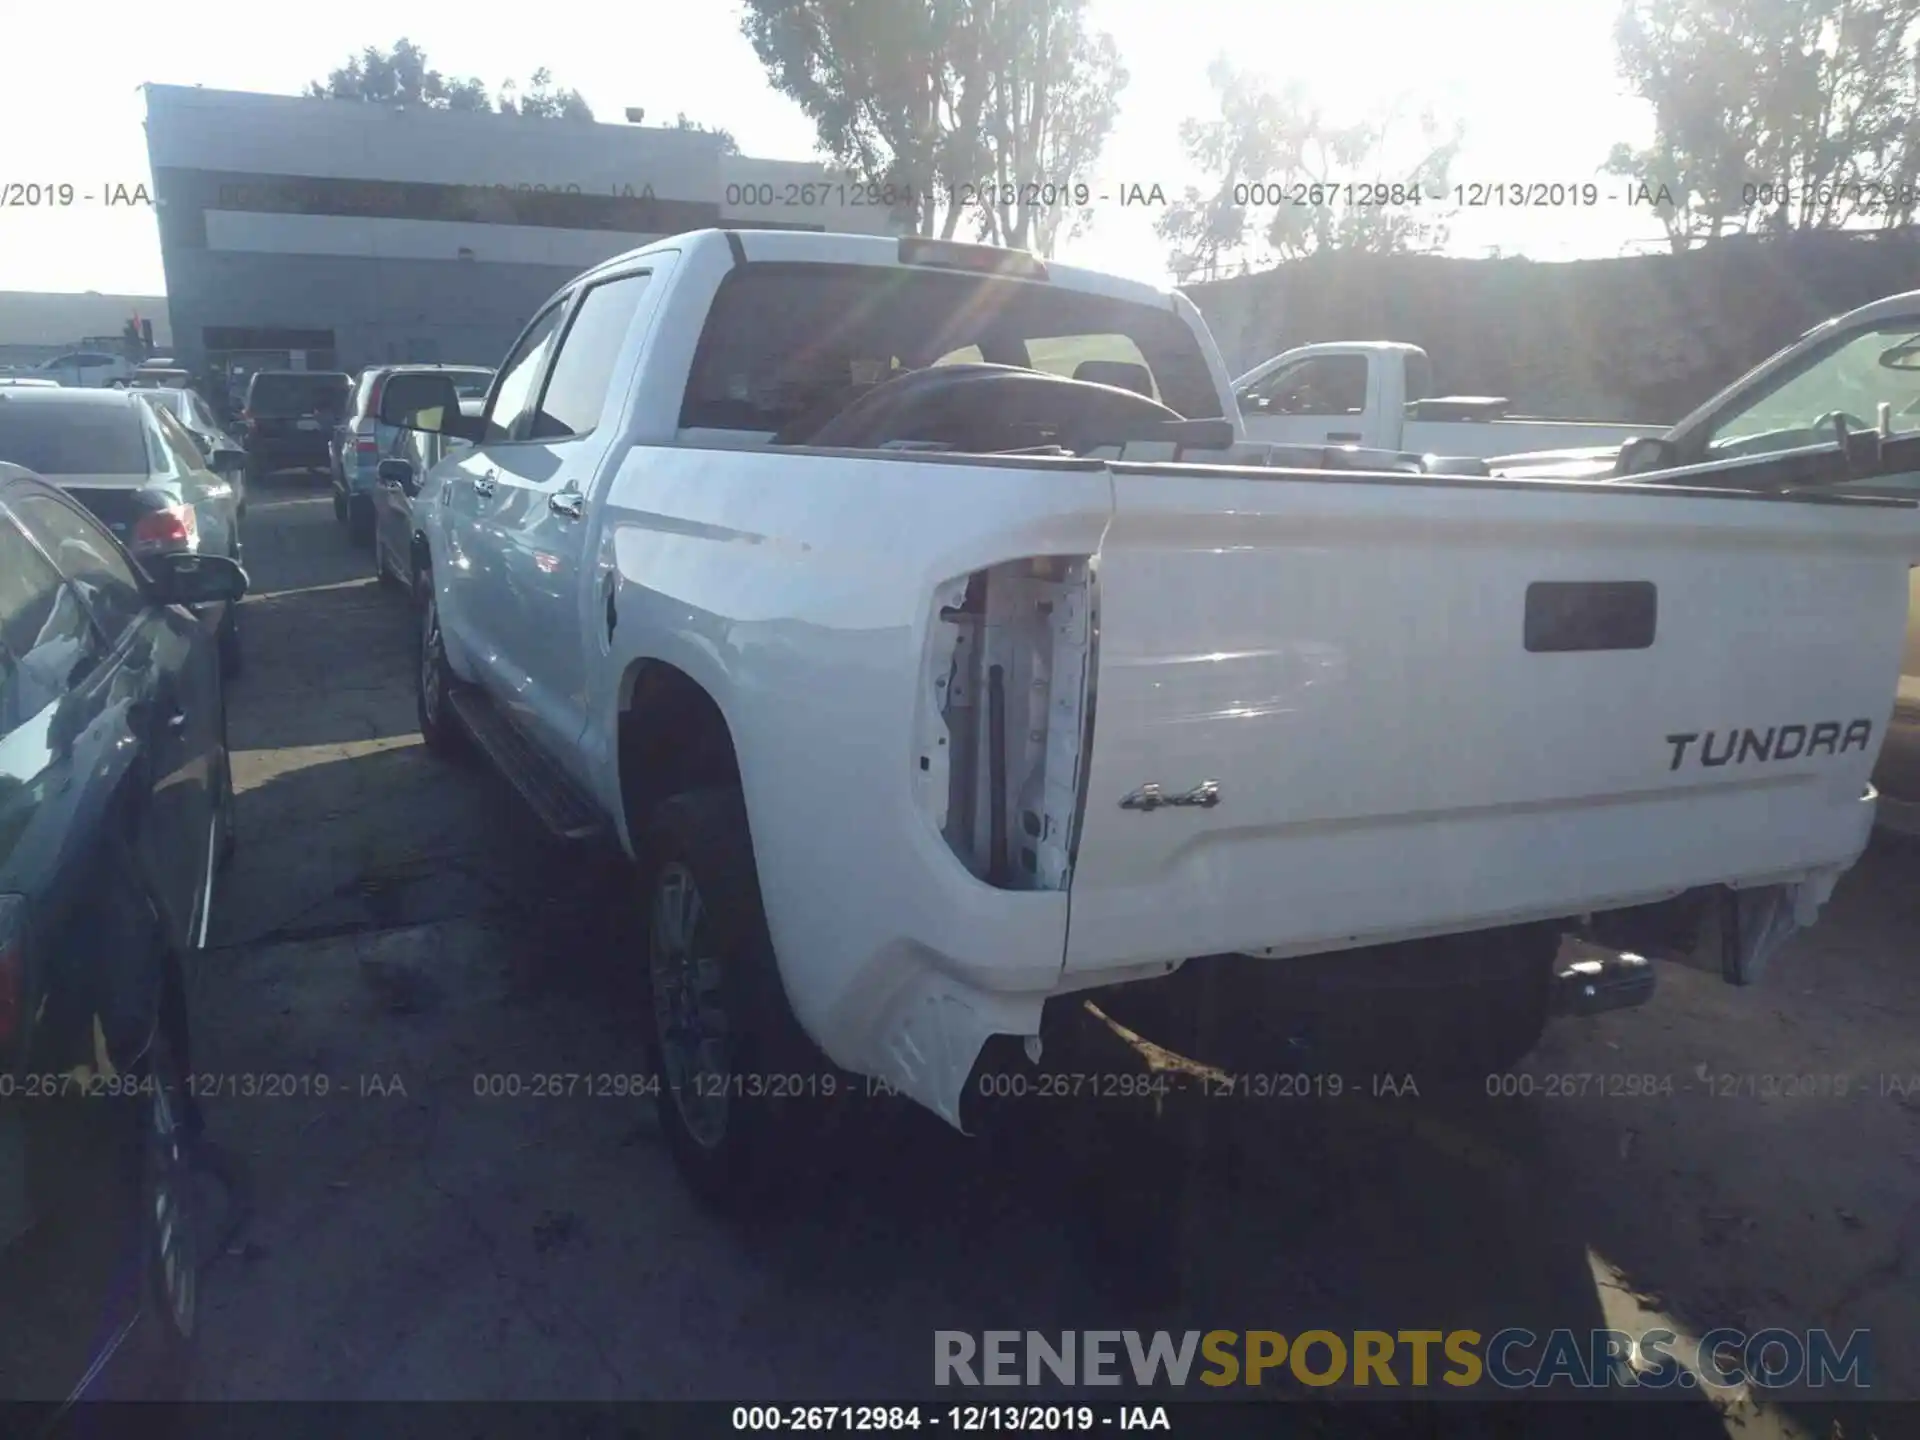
{"x": 1567, "y": 615}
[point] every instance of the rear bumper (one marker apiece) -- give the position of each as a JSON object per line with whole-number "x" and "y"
{"x": 923, "y": 1026}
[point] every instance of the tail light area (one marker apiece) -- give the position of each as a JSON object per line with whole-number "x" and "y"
{"x": 1006, "y": 716}
{"x": 174, "y": 528}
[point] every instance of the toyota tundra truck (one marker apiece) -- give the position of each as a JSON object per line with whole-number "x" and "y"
{"x": 920, "y": 621}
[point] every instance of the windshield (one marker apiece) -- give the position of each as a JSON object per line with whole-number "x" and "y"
{"x": 72, "y": 439}
{"x": 781, "y": 339}
{"x": 1852, "y": 376}
{"x": 297, "y": 393}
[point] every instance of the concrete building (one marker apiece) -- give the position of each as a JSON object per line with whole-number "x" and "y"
{"x": 38, "y": 325}
{"x": 329, "y": 234}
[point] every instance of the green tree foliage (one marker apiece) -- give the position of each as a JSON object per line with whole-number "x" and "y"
{"x": 1264, "y": 150}
{"x": 967, "y": 109}
{"x": 542, "y": 101}
{"x": 1773, "y": 115}
{"x": 401, "y": 76}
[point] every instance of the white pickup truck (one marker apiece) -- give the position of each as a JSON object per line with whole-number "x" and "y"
{"x": 924, "y": 687}
{"x": 1379, "y": 394}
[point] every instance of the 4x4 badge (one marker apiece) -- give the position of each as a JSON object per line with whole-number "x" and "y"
{"x": 1205, "y": 796}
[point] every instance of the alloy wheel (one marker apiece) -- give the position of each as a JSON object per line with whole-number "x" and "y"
{"x": 689, "y": 1021}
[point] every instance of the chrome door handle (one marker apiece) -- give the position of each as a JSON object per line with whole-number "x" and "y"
{"x": 483, "y": 487}
{"x": 570, "y": 503}
{"x": 177, "y": 721}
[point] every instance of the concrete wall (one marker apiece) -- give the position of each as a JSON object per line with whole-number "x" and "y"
{"x": 414, "y": 234}
{"x": 1645, "y": 338}
{"x": 378, "y": 310}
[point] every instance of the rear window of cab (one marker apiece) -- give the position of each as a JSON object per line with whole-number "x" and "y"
{"x": 296, "y": 394}
{"x": 783, "y": 337}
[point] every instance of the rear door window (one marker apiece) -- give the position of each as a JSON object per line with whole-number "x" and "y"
{"x": 783, "y": 341}
{"x": 73, "y": 439}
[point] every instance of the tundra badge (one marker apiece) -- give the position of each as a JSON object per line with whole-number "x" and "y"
{"x": 1205, "y": 796}
{"x": 1784, "y": 742}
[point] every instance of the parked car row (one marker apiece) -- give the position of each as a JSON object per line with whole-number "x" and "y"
{"x": 399, "y": 557}
{"x": 139, "y": 470}
{"x": 287, "y": 419}
{"x": 360, "y": 441}
{"x": 224, "y": 455}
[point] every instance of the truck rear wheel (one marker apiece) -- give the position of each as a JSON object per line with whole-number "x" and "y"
{"x": 742, "y": 1092}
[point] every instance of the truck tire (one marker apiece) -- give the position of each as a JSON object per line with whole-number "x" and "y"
{"x": 433, "y": 686}
{"x": 718, "y": 1024}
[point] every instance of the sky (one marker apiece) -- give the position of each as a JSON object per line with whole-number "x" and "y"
{"x": 1534, "y": 85}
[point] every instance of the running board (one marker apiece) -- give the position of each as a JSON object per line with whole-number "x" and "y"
{"x": 549, "y": 792}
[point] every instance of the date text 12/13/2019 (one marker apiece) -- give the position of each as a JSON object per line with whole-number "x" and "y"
{"x": 962, "y": 1419}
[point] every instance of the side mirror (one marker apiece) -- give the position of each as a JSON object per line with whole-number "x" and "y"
{"x": 1644, "y": 453}
{"x": 398, "y": 472}
{"x": 186, "y": 579}
{"x": 222, "y": 459}
{"x": 428, "y": 402}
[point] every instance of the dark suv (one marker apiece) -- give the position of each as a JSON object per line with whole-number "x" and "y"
{"x": 288, "y": 419}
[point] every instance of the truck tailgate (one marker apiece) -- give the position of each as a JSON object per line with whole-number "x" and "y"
{"x": 1431, "y": 705}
